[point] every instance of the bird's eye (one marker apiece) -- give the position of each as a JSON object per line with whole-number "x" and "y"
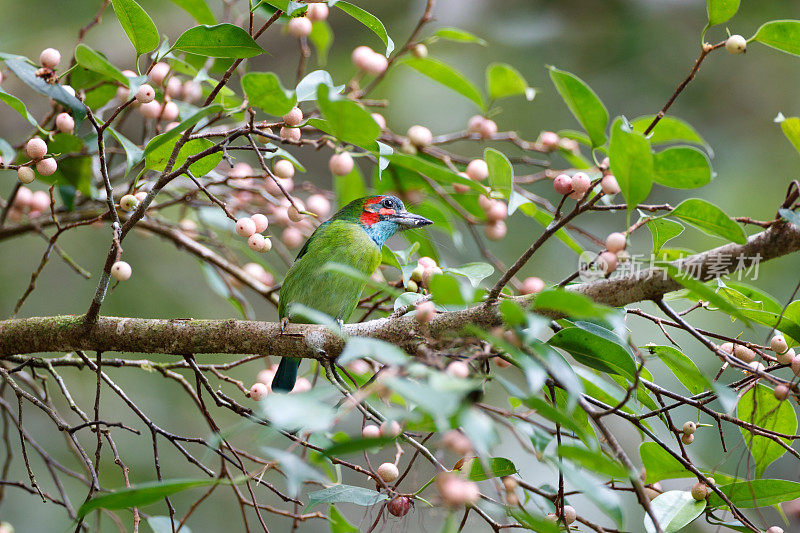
{"x": 388, "y": 203}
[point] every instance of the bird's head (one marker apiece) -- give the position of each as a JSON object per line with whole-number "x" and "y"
{"x": 382, "y": 216}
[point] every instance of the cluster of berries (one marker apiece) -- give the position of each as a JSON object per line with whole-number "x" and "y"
{"x": 263, "y": 385}
{"x": 301, "y": 27}
{"x": 30, "y": 202}
{"x": 36, "y": 149}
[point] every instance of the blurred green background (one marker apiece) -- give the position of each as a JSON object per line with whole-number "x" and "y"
{"x": 633, "y": 53}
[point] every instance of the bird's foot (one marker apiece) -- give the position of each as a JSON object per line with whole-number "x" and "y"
{"x": 340, "y": 323}
{"x": 284, "y": 322}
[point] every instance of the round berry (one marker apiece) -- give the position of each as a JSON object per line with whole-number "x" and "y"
{"x": 474, "y": 124}
{"x": 283, "y": 168}
{"x": 427, "y": 262}
{"x": 796, "y": 365}
{"x": 581, "y": 183}
{"x": 241, "y": 170}
{"x": 192, "y": 91}
{"x": 786, "y": 357}
{"x": 726, "y": 347}
{"x": 24, "y": 198}
{"x": 429, "y": 273}
{"x": 562, "y": 184}
{"x": 376, "y": 64}
{"x": 36, "y": 148}
{"x": 569, "y": 514}
{"x": 689, "y": 427}
{"x": 420, "y": 50}
{"x": 292, "y": 238}
{"x": 361, "y": 56}
{"x": 159, "y": 72}
{"x": 151, "y": 109}
{"x": 319, "y": 205}
{"x": 390, "y": 428}
{"x": 687, "y": 439}
{"x": 736, "y": 44}
{"x": 294, "y": 212}
{"x": 615, "y": 242}
{"x": 425, "y": 311}
{"x": 609, "y": 185}
{"x": 25, "y": 174}
{"x": 371, "y": 432}
{"x": 301, "y": 385}
{"x": 317, "y": 11}
{"x": 257, "y": 271}
{"x": 774, "y": 529}
{"x": 420, "y": 135}
{"x": 477, "y": 170}
{"x": 532, "y": 285}
{"x": 50, "y": 58}
{"x": 379, "y": 120}
{"x": 245, "y": 227}
{"x": 258, "y": 243}
{"x": 174, "y": 87}
{"x": 744, "y": 353}
{"x": 145, "y": 94}
{"x": 47, "y": 166}
{"x": 341, "y": 164}
{"x": 496, "y": 230}
{"x": 170, "y": 111}
{"x": 607, "y": 261}
{"x": 781, "y": 392}
{"x": 497, "y": 211}
{"x": 258, "y": 391}
{"x": 128, "y": 202}
{"x": 290, "y": 134}
{"x": 549, "y": 140}
{"x": 388, "y": 472}
{"x": 400, "y": 506}
{"x": 488, "y": 128}
{"x": 65, "y": 123}
{"x": 299, "y": 27}
{"x": 461, "y": 188}
{"x": 261, "y": 222}
{"x": 778, "y": 344}
{"x": 121, "y": 271}
{"x": 294, "y": 117}
{"x": 458, "y": 369}
{"x": 700, "y": 491}
{"x": 39, "y": 201}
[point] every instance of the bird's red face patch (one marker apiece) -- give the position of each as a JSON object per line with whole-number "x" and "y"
{"x": 371, "y": 213}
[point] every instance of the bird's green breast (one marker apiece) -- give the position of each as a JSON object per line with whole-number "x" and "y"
{"x": 309, "y": 283}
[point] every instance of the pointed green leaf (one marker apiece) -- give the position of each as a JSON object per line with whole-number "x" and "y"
{"x": 584, "y": 104}
{"x": 222, "y": 40}
{"x": 757, "y": 493}
{"x": 458, "y": 35}
{"x": 264, "y": 90}
{"x": 133, "y": 154}
{"x": 137, "y": 25}
{"x": 710, "y": 219}
{"x": 663, "y": 229}
{"x": 91, "y": 60}
{"x": 783, "y": 35}
{"x": 321, "y": 37}
{"x": 791, "y": 129}
{"x": 198, "y": 9}
{"x": 345, "y": 494}
{"x": 141, "y": 494}
{"x": 682, "y": 366}
{"x": 668, "y": 130}
{"x": 17, "y": 105}
{"x": 446, "y": 75}
{"x": 369, "y": 20}
{"x": 758, "y": 406}
{"x": 631, "y": 162}
{"x": 348, "y": 121}
{"x": 158, "y": 158}
{"x": 338, "y": 523}
{"x": 501, "y": 172}
{"x": 595, "y": 351}
{"x": 475, "y": 272}
{"x": 720, "y": 11}
{"x": 503, "y": 80}
{"x": 681, "y": 167}
{"x": 498, "y": 467}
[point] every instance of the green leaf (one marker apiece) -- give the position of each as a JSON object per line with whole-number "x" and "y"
{"x": 632, "y": 163}
{"x": 584, "y": 104}
{"x": 501, "y": 172}
{"x": 222, "y": 40}
{"x": 498, "y": 467}
{"x": 710, "y": 219}
{"x": 783, "y": 35}
{"x": 381, "y": 351}
{"x": 349, "y": 187}
{"x": 369, "y": 20}
{"x": 294, "y": 468}
{"x": 91, "y": 60}
{"x": 141, "y": 494}
{"x": 307, "y": 87}
{"x": 595, "y": 351}
{"x": 436, "y": 172}
{"x": 757, "y": 493}
{"x": 458, "y": 35}
{"x": 663, "y": 229}
{"x": 137, "y": 25}
{"x": 446, "y": 291}
{"x": 264, "y": 90}
{"x": 475, "y": 272}
{"x": 157, "y": 159}
{"x": 299, "y": 411}
{"x": 570, "y": 304}
{"x": 347, "y": 120}
{"x": 321, "y": 37}
{"x": 682, "y": 366}
{"x": 356, "y": 445}
{"x": 171, "y": 136}
{"x": 674, "y": 510}
{"x": 791, "y": 129}
{"x": 720, "y": 11}
{"x": 668, "y": 130}
{"x": 338, "y": 522}
{"x": 345, "y": 494}
{"x": 18, "y": 106}
{"x": 503, "y": 80}
{"x": 25, "y": 71}
{"x": 701, "y": 290}
{"x": 660, "y": 464}
{"x": 758, "y": 406}
{"x": 446, "y": 75}
{"x": 198, "y": 9}
{"x": 593, "y": 460}
{"x": 539, "y": 524}
{"x": 133, "y": 153}
{"x": 681, "y": 167}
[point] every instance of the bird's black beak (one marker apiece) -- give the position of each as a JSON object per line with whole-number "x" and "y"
{"x": 407, "y": 220}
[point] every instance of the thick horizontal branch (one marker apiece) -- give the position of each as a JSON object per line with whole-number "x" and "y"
{"x": 188, "y": 336}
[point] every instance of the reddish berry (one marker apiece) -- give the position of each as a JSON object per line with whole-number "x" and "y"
{"x": 581, "y": 183}
{"x": 371, "y": 432}
{"x": 532, "y": 285}
{"x": 549, "y": 140}
{"x": 496, "y": 230}
{"x": 65, "y": 123}
{"x": 169, "y": 111}
{"x": 47, "y": 166}
{"x": 39, "y": 201}
{"x": 317, "y": 11}
{"x": 425, "y": 311}
{"x": 477, "y": 170}
{"x": 615, "y": 242}
{"x": 607, "y": 261}
{"x": 488, "y": 128}
{"x": 390, "y": 428}
{"x": 290, "y": 134}
{"x": 781, "y": 392}
{"x": 562, "y": 184}
{"x": 294, "y": 117}
{"x": 36, "y": 148}
{"x": 609, "y": 185}
{"x": 245, "y": 227}
{"x": 159, "y": 72}
{"x": 50, "y": 58}
{"x": 399, "y": 506}
{"x": 261, "y": 222}
{"x": 341, "y": 164}
{"x": 299, "y": 27}
{"x": 258, "y": 391}
{"x": 151, "y": 109}
{"x": 379, "y": 120}
{"x": 474, "y": 124}
{"x": 145, "y": 94}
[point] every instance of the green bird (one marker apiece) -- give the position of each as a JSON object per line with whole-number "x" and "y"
{"x": 353, "y": 237}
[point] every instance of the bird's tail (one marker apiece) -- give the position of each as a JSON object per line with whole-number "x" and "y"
{"x": 286, "y": 375}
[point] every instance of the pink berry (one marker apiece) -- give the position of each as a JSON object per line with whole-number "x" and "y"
{"x": 294, "y": 211}
{"x": 50, "y": 58}
{"x": 159, "y": 72}
{"x": 151, "y": 109}
{"x": 774, "y": 529}
{"x": 341, "y": 164}
{"x": 359, "y": 366}
{"x": 40, "y": 201}
{"x": 174, "y": 87}
{"x": 301, "y": 385}
{"x": 24, "y": 198}
{"x": 317, "y": 11}
{"x": 319, "y": 205}
{"x": 379, "y": 120}
{"x": 261, "y": 222}
{"x": 796, "y": 365}
{"x": 292, "y": 237}
{"x": 460, "y": 188}
{"x": 360, "y": 56}
{"x": 257, "y": 242}
{"x": 425, "y": 312}
{"x": 376, "y": 64}
{"x": 390, "y": 428}
{"x": 241, "y": 170}
{"x": 549, "y": 140}
{"x": 458, "y": 369}
{"x": 726, "y": 347}
{"x": 283, "y": 168}
{"x": 485, "y": 202}
{"x": 581, "y": 183}
{"x": 258, "y": 391}
{"x": 145, "y": 94}
{"x": 170, "y": 111}
{"x": 615, "y": 242}
{"x": 477, "y": 170}
{"x": 488, "y": 128}
{"x": 245, "y": 227}
{"x": 171, "y": 125}
{"x": 456, "y": 442}
{"x": 532, "y": 285}
{"x": 609, "y": 185}
{"x": 562, "y": 184}
{"x": 25, "y": 174}
{"x": 192, "y": 91}
{"x": 778, "y": 344}
{"x": 290, "y": 134}
{"x": 474, "y": 124}
{"x": 570, "y": 515}
{"x": 427, "y": 262}
{"x": 400, "y": 505}
{"x": 497, "y": 211}
{"x": 121, "y": 271}
{"x": 36, "y": 148}
{"x": 47, "y": 166}
{"x": 496, "y": 230}
{"x": 294, "y": 117}
{"x": 744, "y": 353}
{"x": 607, "y": 261}
{"x": 420, "y": 135}
{"x": 371, "y": 432}
{"x": 388, "y": 472}
{"x": 299, "y": 27}
{"x": 65, "y": 123}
